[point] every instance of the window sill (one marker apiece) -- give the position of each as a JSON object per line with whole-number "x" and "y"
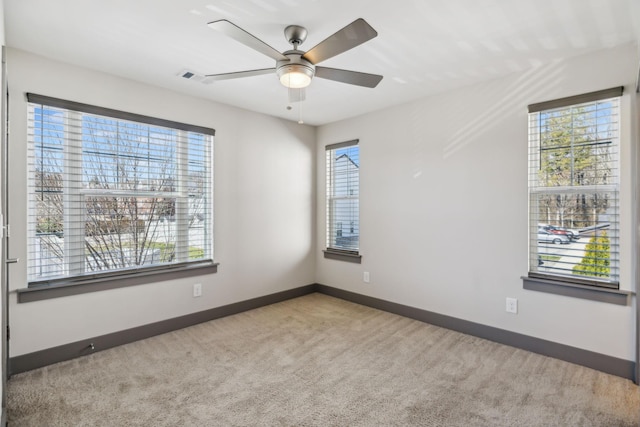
{"x": 612, "y": 296}
{"x": 67, "y": 287}
{"x": 343, "y": 256}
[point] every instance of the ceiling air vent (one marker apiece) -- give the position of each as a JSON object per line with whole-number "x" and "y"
{"x": 191, "y": 75}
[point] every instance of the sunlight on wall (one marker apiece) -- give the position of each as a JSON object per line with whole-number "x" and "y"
{"x": 520, "y": 92}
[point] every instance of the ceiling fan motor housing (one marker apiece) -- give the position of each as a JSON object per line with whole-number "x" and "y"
{"x": 295, "y": 34}
{"x": 295, "y": 65}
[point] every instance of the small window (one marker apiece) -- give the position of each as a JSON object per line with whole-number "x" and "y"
{"x": 343, "y": 189}
{"x": 113, "y": 192}
{"x": 574, "y": 189}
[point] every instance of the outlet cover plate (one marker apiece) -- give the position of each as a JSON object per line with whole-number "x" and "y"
{"x": 197, "y": 290}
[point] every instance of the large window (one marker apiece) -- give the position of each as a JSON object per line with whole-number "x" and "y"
{"x": 573, "y": 189}
{"x": 114, "y": 192}
{"x": 343, "y": 197}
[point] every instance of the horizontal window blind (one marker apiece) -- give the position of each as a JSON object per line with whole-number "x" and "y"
{"x": 574, "y": 192}
{"x": 109, "y": 194}
{"x": 343, "y": 196}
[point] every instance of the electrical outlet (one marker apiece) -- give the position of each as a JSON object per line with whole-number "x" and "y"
{"x": 197, "y": 290}
{"x": 512, "y": 305}
{"x": 365, "y": 277}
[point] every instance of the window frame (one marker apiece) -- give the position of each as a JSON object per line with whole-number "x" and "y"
{"x": 333, "y": 251}
{"x": 581, "y": 287}
{"x": 72, "y": 284}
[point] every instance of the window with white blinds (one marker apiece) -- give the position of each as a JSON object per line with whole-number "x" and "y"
{"x": 343, "y": 197}
{"x": 111, "y": 191}
{"x": 574, "y": 189}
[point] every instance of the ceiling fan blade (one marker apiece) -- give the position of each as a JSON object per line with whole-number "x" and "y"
{"x": 350, "y": 77}
{"x": 238, "y": 74}
{"x": 240, "y": 35}
{"x": 354, "y": 34}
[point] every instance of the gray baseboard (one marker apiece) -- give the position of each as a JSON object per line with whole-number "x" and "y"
{"x": 38, "y": 359}
{"x": 611, "y": 365}
{"x": 601, "y": 362}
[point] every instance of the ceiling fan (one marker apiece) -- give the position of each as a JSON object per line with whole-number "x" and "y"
{"x": 296, "y": 68}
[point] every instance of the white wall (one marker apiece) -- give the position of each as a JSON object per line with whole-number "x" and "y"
{"x": 443, "y": 209}
{"x": 264, "y": 205}
{"x": 2, "y": 22}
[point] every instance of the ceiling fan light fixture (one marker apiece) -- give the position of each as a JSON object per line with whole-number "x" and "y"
{"x": 295, "y": 76}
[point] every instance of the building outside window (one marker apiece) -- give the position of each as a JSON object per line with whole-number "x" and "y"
{"x": 574, "y": 189}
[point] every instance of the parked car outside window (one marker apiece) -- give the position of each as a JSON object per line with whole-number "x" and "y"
{"x": 572, "y": 234}
{"x": 545, "y": 236}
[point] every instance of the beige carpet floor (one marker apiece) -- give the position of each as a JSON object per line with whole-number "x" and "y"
{"x": 319, "y": 361}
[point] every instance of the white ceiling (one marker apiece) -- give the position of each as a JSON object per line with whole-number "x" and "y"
{"x": 423, "y": 46}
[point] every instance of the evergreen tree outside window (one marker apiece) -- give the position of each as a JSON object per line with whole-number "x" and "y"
{"x": 574, "y": 189}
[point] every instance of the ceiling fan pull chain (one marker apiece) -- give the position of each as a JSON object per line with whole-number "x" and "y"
{"x": 300, "y": 113}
